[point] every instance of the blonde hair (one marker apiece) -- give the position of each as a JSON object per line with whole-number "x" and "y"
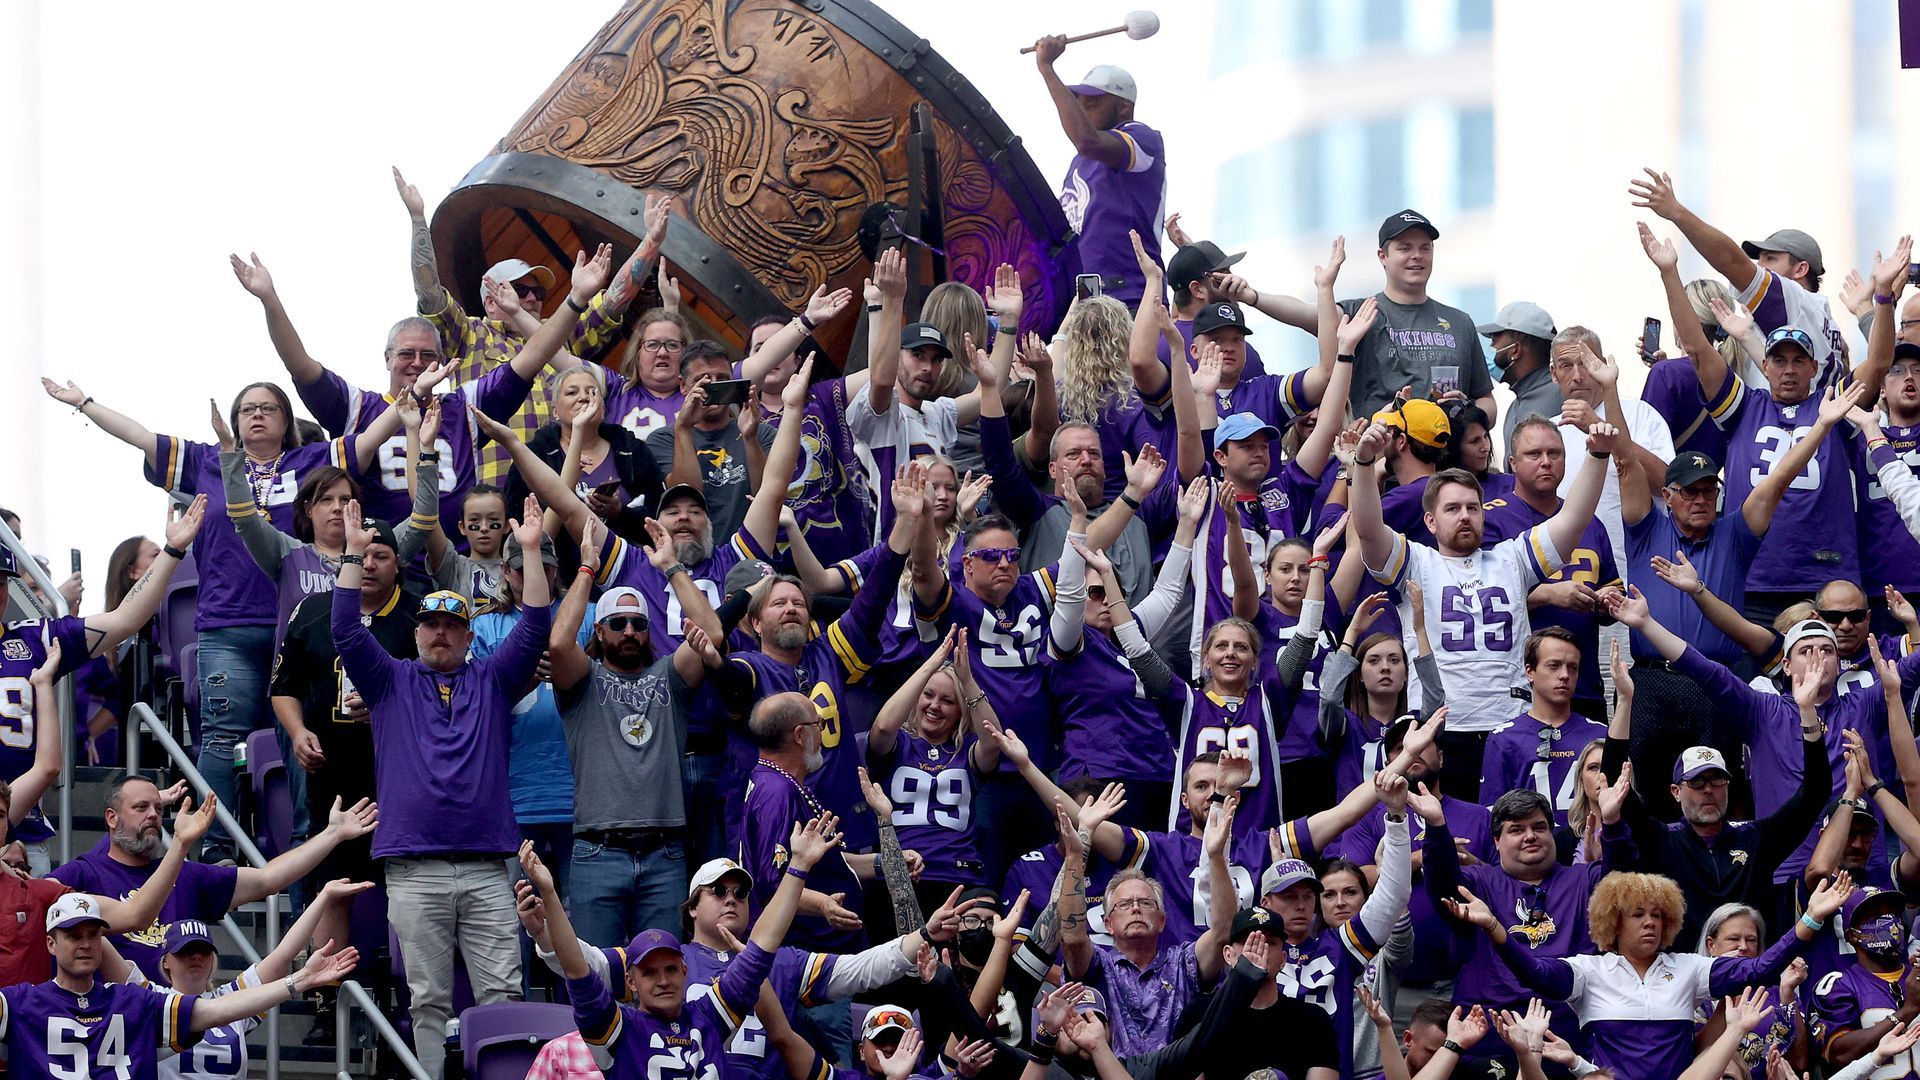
{"x": 949, "y": 534}
{"x": 1582, "y": 806}
{"x": 1701, "y": 294}
{"x": 957, "y": 310}
{"x": 1095, "y": 377}
{"x": 1794, "y": 613}
{"x": 1621, "y": 892}
{"x": 962, "y": 727}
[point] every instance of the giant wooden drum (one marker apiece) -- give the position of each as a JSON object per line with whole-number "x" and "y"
{"x": 775, "y": 124}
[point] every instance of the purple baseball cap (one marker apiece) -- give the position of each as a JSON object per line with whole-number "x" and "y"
{"x": 648, "y": 941}
{"x": 184, "y": 934}
{"x": 1889, "y": 899}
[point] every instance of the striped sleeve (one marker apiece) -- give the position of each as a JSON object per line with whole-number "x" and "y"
{"x": 1044, "y": 578}
{"x": 1296, "y": 840}
{"x": 1542, "y": 559}
{"x": 813, "y": 979}
{"x": 1355, "y": 939}
{"x": 1293, "y": 395}
{"x": 1397, "y": 562}
{"x": 170, "y": 463}
{"x": 176, "y": 1031}
{"x": 613, "y": 554}
{"x": 1725, "y": 405}
{"x": 847, "y": 653}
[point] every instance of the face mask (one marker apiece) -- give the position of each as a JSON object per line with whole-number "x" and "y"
{"x": 1880, "y": 938}
{"x": 1502, "y": 359}
{"x": 976, "y": 945}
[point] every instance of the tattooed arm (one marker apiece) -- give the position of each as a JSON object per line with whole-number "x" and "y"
{"x": 108, "y": 629}
{"x": 893, "y": 862}
{"x": 430, "y": 297}
{"x": 632, "y": 276}
{"x": 1075, "y": 942}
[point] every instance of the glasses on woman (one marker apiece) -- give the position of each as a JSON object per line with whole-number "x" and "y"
{"x": 263, "y": 408}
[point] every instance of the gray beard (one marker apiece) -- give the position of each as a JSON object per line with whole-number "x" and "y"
{"x": 789, "y": 636}
{"x": 148, "y": 846}
{"x": 692, "y": 553}
{"x": 816, "y": 759}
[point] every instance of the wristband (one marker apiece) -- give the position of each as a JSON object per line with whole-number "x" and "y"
{"x": 1042, "y": 1053}
{"x": 82, "y": 407}
{"x": 874, "y": 308}
{"x": 1878, "y": 787}
{"x": 1364, "y": 464}
{"x": 676, "y": 568}
{"x": 1346, "y": 358}
{"x": 579, "y": 309}
{"x": 794, "y": 871}
{"x": 1319, "y": 560}
{"x": 805, "y": 323}
{"x": 1130, "y": 500}
{"x": 169, "y": 549}
{"x": 1879, "y": 299}
{"x": 1879, "y": 442}
{"x": 974, "y": 702}
{"x": 1810, "y": 923}
{"x": 1599, "y": 455}
{"x": 585, "y": 569}
{"x": 353, "y": 560}
{"x": 433, "y": 457}
{"x": 292, "y": 990}
{"x": 1454, "y": 1046}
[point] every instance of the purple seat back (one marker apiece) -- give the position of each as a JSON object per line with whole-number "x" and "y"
{"x": 502, "y": 1040}
{"x": 272, "y": 800}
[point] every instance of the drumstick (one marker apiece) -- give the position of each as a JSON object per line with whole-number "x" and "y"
{"x": 1139, "y": 24}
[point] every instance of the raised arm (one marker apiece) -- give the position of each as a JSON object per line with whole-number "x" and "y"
{"x": 886, "y": 294}
{"x": 1708, "y": 364}
{"x": 1150, "y": 376}
{"x": 1766, "y": 495}
{"x": 1743, "y": 1013}
{"x": 1004, "y": 299}
{"x": 822, "y": 308}
{"x": 108, "y": 629}
{"x": 254, "y": 278}
{"x": 762, "y": 521}
{"x": 423, "y": 479}
{"x": 589, "y": 275}
{"x": 1630, "y": 607}
{"x": 343, "y": 824}
{"x": 1222, "y": 900}
{"x": 1075, "y": 944}
{"x": 1906, "y": 755}
{"x": 1190, "y": 442}
{"x": 565, "y": 658}
{"x": 124, "y": 428}
{"x": 1104, "y": 147}
{"x": 1720, "y": 250}
{"x": 1363, "y": 457}
{"x": 1889, "y": 281}
{"x": 632, "y": 275}
{"x": 143, "y": 905}
{"x": 1348, "y": 334}
{"x": 338, "y": 892}
{"x": 882, "y": 736}
{"x": 325, "y": 968}
{"x": 1576, "y": 512}
{"x": 540, "y": 477}
{"x": 430, "y": 297}
{"x": 1755, "y": 639}
{"x": 47, "y": 744}
{"x": 1246, "y": 582}
{"x": 1143, "y": 475}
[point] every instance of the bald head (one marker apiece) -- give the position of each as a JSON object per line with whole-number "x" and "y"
{"x": 773, "y": 721}
{"x": 1843, "y": 606}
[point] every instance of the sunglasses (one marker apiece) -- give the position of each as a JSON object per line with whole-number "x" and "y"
{"x": 737, "y": 892}
{"x": 528, "y": 291}
{"x": 445, "y": 604}
{"x": 1097, "y": 593}
{"x": 1706, "y": 783}
{"x": 995, "y": 556}
{"x": 1839, "y": 615}
{"x": 429, "y": 355}
{"x": 1548, "y": 736}
{"x": 620, "y": 624}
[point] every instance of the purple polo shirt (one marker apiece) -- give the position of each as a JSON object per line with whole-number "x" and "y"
{"x": 1144, "y": 1002}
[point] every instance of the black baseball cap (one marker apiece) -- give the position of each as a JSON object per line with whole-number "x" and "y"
{"x": 1247, "y": 920}
{"x": 1218, "y": 316}
{"x": 682, "y": 491}
{"x": 1906, "y": 351}
{"x": 1404, "y": 220}
{"x": 1691, "y": 468}
{"x": 918, "y": 334}
{"x": 1196, "y": 261}
{"x": 383, "y": 533}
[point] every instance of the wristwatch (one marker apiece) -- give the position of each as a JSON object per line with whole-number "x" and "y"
{"x": 1454, "y": 1046}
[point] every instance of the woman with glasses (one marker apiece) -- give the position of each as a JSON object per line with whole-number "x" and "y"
{"x": 650, "y": 392}
{"x": 1471, "y": 448}
{"x": 610, "y": 469}
{"x": 1737, "y": 930}
{"x": 234, "y": 616}
{"x": 483, "y": 515}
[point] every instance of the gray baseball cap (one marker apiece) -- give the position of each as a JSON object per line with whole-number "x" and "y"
{"x": 1793, "y": 242}
{"x": 1521, "y": 317}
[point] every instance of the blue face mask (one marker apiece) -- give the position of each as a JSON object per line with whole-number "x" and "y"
{"x": 1880, "y": 938}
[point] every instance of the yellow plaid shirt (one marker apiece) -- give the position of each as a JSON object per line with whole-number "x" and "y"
{"x": 480, "y": 344}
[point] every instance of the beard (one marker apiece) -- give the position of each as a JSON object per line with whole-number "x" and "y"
{"x": 144, "y": 844}
{"x": 815, "y": 760}
{"x": 1091, "y": 487}
{"x": 696, "y": 551}
{"x": 789, "y": 636}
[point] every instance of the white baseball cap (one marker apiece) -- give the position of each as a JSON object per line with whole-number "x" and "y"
{"x": 1107, "y": 79}
{"x": 1695, "y": 760}
{"x": 1808, "y": 628}
{"x": 508, "y": 271}
{"x": 73, "y": 909}
{"x": 619, "y": 600}
{"x": 713, "y": 870}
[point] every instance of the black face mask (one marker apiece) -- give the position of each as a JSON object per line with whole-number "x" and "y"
{"x": 976, "y": 945}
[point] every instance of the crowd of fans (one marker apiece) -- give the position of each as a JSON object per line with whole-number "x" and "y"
{"x": 1093, "y": 703}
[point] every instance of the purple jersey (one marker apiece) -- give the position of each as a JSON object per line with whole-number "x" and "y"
{"x": 1404, "y": 510}
{"x": 1590, "y": 562}
{"x": 1127, "y": 429}
{"x": 932, "y": 791}
{"x": 1673, "y": 389}
{"x": 203, "y": 892}
{"x": 114, "y": 1031}
{"x": 799, "y": 981}
{"x": 1037, "y": 870}
{"x": 1300, "y": 732}
{"x": 1360, "y": 751}
{"x": 624, "y": 563}
{"x": 344, "y": 409}
{"x": 1109, "y": 730}
{"x": 829, "y": 494}
{"x": 642, "y": 411}
{"x": 1176, "y": 861}
{"x": 23, "y": 649}
{"x": 775, "y": 802}
{"x": 1775, "y": 1033}
{"x": 304, "y": 572}
{"x": 1276, "y": 399}
{"x": 899, "y": 641}
{"x": 1802, "y": 549}
{"x": 630, "y": 1042}
{"x": 1209, "y": 722}
{"x": 1004, "y": 643}
{"x": 233, "y": 591}
{"x": 1251, "y": 367}
{"x": 1104, "y": 202}
{"x": 1443, "y": 947}
{"x": 1526, "y": 753}
{"x": 1853, "y": 999}
{"x": 1283, "y": 507}
{"x": 1323, "y": 971}
{"x": 1889, "y": 555}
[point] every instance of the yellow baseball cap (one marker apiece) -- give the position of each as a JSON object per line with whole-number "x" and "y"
{"x": 1420, "y": 420}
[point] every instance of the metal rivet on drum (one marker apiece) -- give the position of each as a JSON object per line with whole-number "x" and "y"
{"x": 600, "y": 194}
{"x": 634, "y": 210}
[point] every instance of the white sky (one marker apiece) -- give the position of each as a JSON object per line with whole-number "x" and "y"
{"x": 166, "y": 136}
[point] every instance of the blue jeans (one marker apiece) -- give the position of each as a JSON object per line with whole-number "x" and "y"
{"x": 706, "y": 808}
{"x": 234, "y": 664}
{"x": 614, "y": 893}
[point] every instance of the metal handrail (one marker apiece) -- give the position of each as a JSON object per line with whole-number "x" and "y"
{"x": 24, "y": 559}
{"x": 143, "y": 715}
{"x": 343, "y": 1031}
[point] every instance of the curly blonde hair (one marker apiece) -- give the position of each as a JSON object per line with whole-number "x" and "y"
{"x": 1094, "y": 374}
{"x": 1621, "y": 892}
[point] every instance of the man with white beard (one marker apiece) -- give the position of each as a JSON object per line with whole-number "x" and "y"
{"x": 787, "y": 731}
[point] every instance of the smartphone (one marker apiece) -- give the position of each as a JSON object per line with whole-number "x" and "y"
{"x": 1650, "y": 339}
{"x": 1913, "y": 273}
{"x": 608, "y": 489}
{"x": 1086, "y": 285}
{"x": 728, "y": 391}
{"x": 74, "y": 555}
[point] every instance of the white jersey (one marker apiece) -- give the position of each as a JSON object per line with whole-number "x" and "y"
{"x": 1476, "y": 616}
{"x": 1777, "y": 302}
{"x": 221, "y": 1053}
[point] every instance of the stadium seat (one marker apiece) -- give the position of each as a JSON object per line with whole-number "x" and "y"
{"x": 272, "y": 803}
{"x": 500, "y": 1041}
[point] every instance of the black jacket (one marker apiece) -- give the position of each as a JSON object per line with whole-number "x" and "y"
{"x": 632, "y": 462}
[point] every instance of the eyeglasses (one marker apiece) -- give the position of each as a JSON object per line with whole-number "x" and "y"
{"x": 662, "y": 346}
{"x": 995, "y": 556}
{"x": 1141, "y": 903}
{"x": 429, "y": 355}
{"x": 1699, "y": 494}
{"x": 529, "y": 291}
{"x": 620, "y": 624}
{"x": 737, "y": 892}
{"x": 973, "y": 922}
{"x": 1097, "y": 593}
{"x": 1706, "y": 783}
{"x": 1840, "y": 615}
{"x": 1901, "y": 370}
{"x": 263, "y": 408}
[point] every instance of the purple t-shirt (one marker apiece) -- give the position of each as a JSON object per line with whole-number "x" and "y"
{"x": 203, "y": 892}
{"x": 303, "y": 572}
{"x": 1109, "y": 730}
{"x": 774, "y": 804}
{"x": 1104, "y": 203}
{"x": 642, "y": 411}
{"x": 233, "y": 591}
{"x": 1802, "y": 550}
{"x": 442, "y": 741}
{"x": 1176, "y": 861}
{"x": 1250, "y": 367}
{"x": 1526, "y": 753}
{"x": 115, "y": 1031}
{"x": 932, "y": 791}
{"x": 1276, "y": 399}
{"x": 1673, "y": 389}
{"x": 1854, "y": 998}
{"x": 630, "y": 1042}
{"x": 22, "y": 651}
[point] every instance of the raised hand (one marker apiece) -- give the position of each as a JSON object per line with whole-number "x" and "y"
{"x": 1193, "y": 500}
{"x": 1005, "y": 926}
{"x": 1145, "y": 471}
{"x": 1375, "y": 1011}
{"x": 493, "y": 429}
{"x": 972, "y": 1055}
{"x": 1369, "y": 612}
{"x": 1660, "y": 252}
{"x": 1012, "y": 748}
{"x": 1325, "y": 276}
{"x": 1206, "y": 377}
{"x": 1655, "y": 193}
{"x": 1832, "y": 893}
{"x": 1601, "y": 369}
{"x": 810, "y": 842}
{"x": 1236, "y": 770}
{"x": 1004, "y": 297}
{"x": 1602, "y": 438}
{"x": 1681, "y": 575}
{"x": 1855, "y": 295}
{"x": 1426, "y": 803}
{"x": 890, "y": 274}
{"x": 701, "y": 644}
{"x": 1174, "y": 231}
{"x": 1070, "y": 843}
{"x": 355, "y": 821}
{"x": 1885, "y": 666}
{"x": 1354, "y": 329}
{"x": 1057, "y": 1006}
{"x": 1890, "y": 274}
{"x": 529, "y": 529}
{"x": 1622, "y": 671}
{"x": 1424, "y": 733}
{"x": 1393, "y": 791}
{"x": 1103, "y": 807}
{"x": 189, "y": 824}
{"x": 1747, "y": 1010}
{"x": 1837, "y": 403}
{"x": 824, "y": 306}
{"x": 1346, "y": 445}
{"x": 409, "y": 195}
{"x": 69, "y": 394}
{"x": 1467, "y": 1026}
{"x": 536, "y": 871}
{"x": 1629, "y": 607}
{"x": 794, "y": 395}
{"x": 972, "y": 490}
{"x": 252, "y": 274}
{"x": 1219, "y": 827}
{"x": 910, "y": 491}
{"x": 434, "y": 375}
{"x": 326, "y": 967}
{"x": 1614, "y": 796}
{"x": 876, "y": 796}
{"x": 1471, "y": 909}
{"x": 1096, "y": 558}
{"x": 1794, "y": 977}
{"x": 1149, "y": 268}
{"x": 669, "y": 287}
{"x": 1898, "y": 1040}
{"x": 590, "y": 275}
{"x": 1735, "y": 319}
{"x": 222, "y": 434}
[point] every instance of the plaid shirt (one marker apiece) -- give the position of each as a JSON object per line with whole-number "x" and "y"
{"x": 480, "y": 344}
{"x": 565, "y": 1058}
